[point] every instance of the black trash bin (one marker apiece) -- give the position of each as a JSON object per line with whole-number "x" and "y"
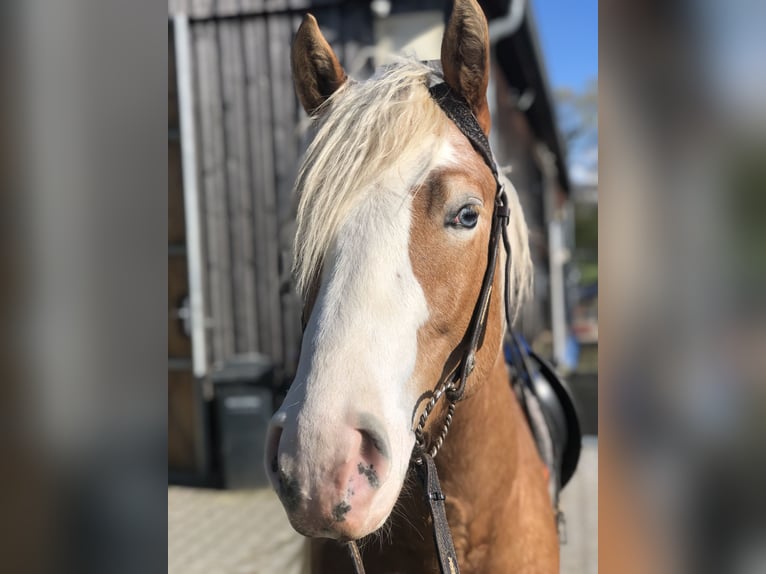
{"x": 242, "y": 396}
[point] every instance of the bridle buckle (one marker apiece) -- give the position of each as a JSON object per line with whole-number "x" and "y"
{"x": 502, "y": 211}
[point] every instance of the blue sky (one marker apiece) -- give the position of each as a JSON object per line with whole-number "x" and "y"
{"x": 568, "y": 32}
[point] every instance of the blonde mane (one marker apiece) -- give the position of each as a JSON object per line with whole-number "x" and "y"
{"x": 363, "y": 131}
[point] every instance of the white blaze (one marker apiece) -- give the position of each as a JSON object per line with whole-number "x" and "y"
{"x": 360, "y": 345}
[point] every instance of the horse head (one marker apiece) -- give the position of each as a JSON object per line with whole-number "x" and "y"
{"x": 393, "y": 223}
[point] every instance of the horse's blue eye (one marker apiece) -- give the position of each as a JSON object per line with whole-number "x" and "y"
{"x": 466, "y": 217}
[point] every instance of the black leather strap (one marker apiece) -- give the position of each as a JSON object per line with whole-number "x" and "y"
{"x": 478, "y": 325}
{"x": 435, "y": 499}
{"x": 458, "y": 110}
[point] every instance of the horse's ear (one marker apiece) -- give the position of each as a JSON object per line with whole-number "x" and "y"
{"x": 465, "y": 57}
{"x": 316, "y": 70}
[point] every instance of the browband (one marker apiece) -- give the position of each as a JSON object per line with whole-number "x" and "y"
{"x": 457, "y": 109}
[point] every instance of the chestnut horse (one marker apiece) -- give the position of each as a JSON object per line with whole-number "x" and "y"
{"x": 394, "y": 218}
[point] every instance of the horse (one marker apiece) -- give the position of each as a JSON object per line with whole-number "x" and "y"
{"x": 394, "y": 217}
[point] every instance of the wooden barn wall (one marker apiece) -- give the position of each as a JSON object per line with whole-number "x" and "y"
{"x": 249, "y": 144}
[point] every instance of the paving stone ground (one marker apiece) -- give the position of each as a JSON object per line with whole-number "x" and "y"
{"x": 246, "y": 532}
{"x": 579, "y": 501}
{"x": 230, "y": 532}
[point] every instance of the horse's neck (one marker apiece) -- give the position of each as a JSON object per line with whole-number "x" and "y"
{"x": 495, "y": 483}
{"x": 485, "y": 448}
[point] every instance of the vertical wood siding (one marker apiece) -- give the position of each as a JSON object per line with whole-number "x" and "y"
{"x": 250, "y": 143}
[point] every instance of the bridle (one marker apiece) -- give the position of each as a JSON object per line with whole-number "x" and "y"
{"x": 453, "y": 386}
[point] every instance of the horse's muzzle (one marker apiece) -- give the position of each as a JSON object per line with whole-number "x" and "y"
{"x": 328, "y": 482}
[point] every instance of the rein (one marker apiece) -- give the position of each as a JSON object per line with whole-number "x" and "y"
{"x": 453, "y": 386}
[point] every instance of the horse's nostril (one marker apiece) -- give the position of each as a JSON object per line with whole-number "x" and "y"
{"x": 371, "y": 444}
{"x": 373, "y": 461}
{"x": 374, "y": 441}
